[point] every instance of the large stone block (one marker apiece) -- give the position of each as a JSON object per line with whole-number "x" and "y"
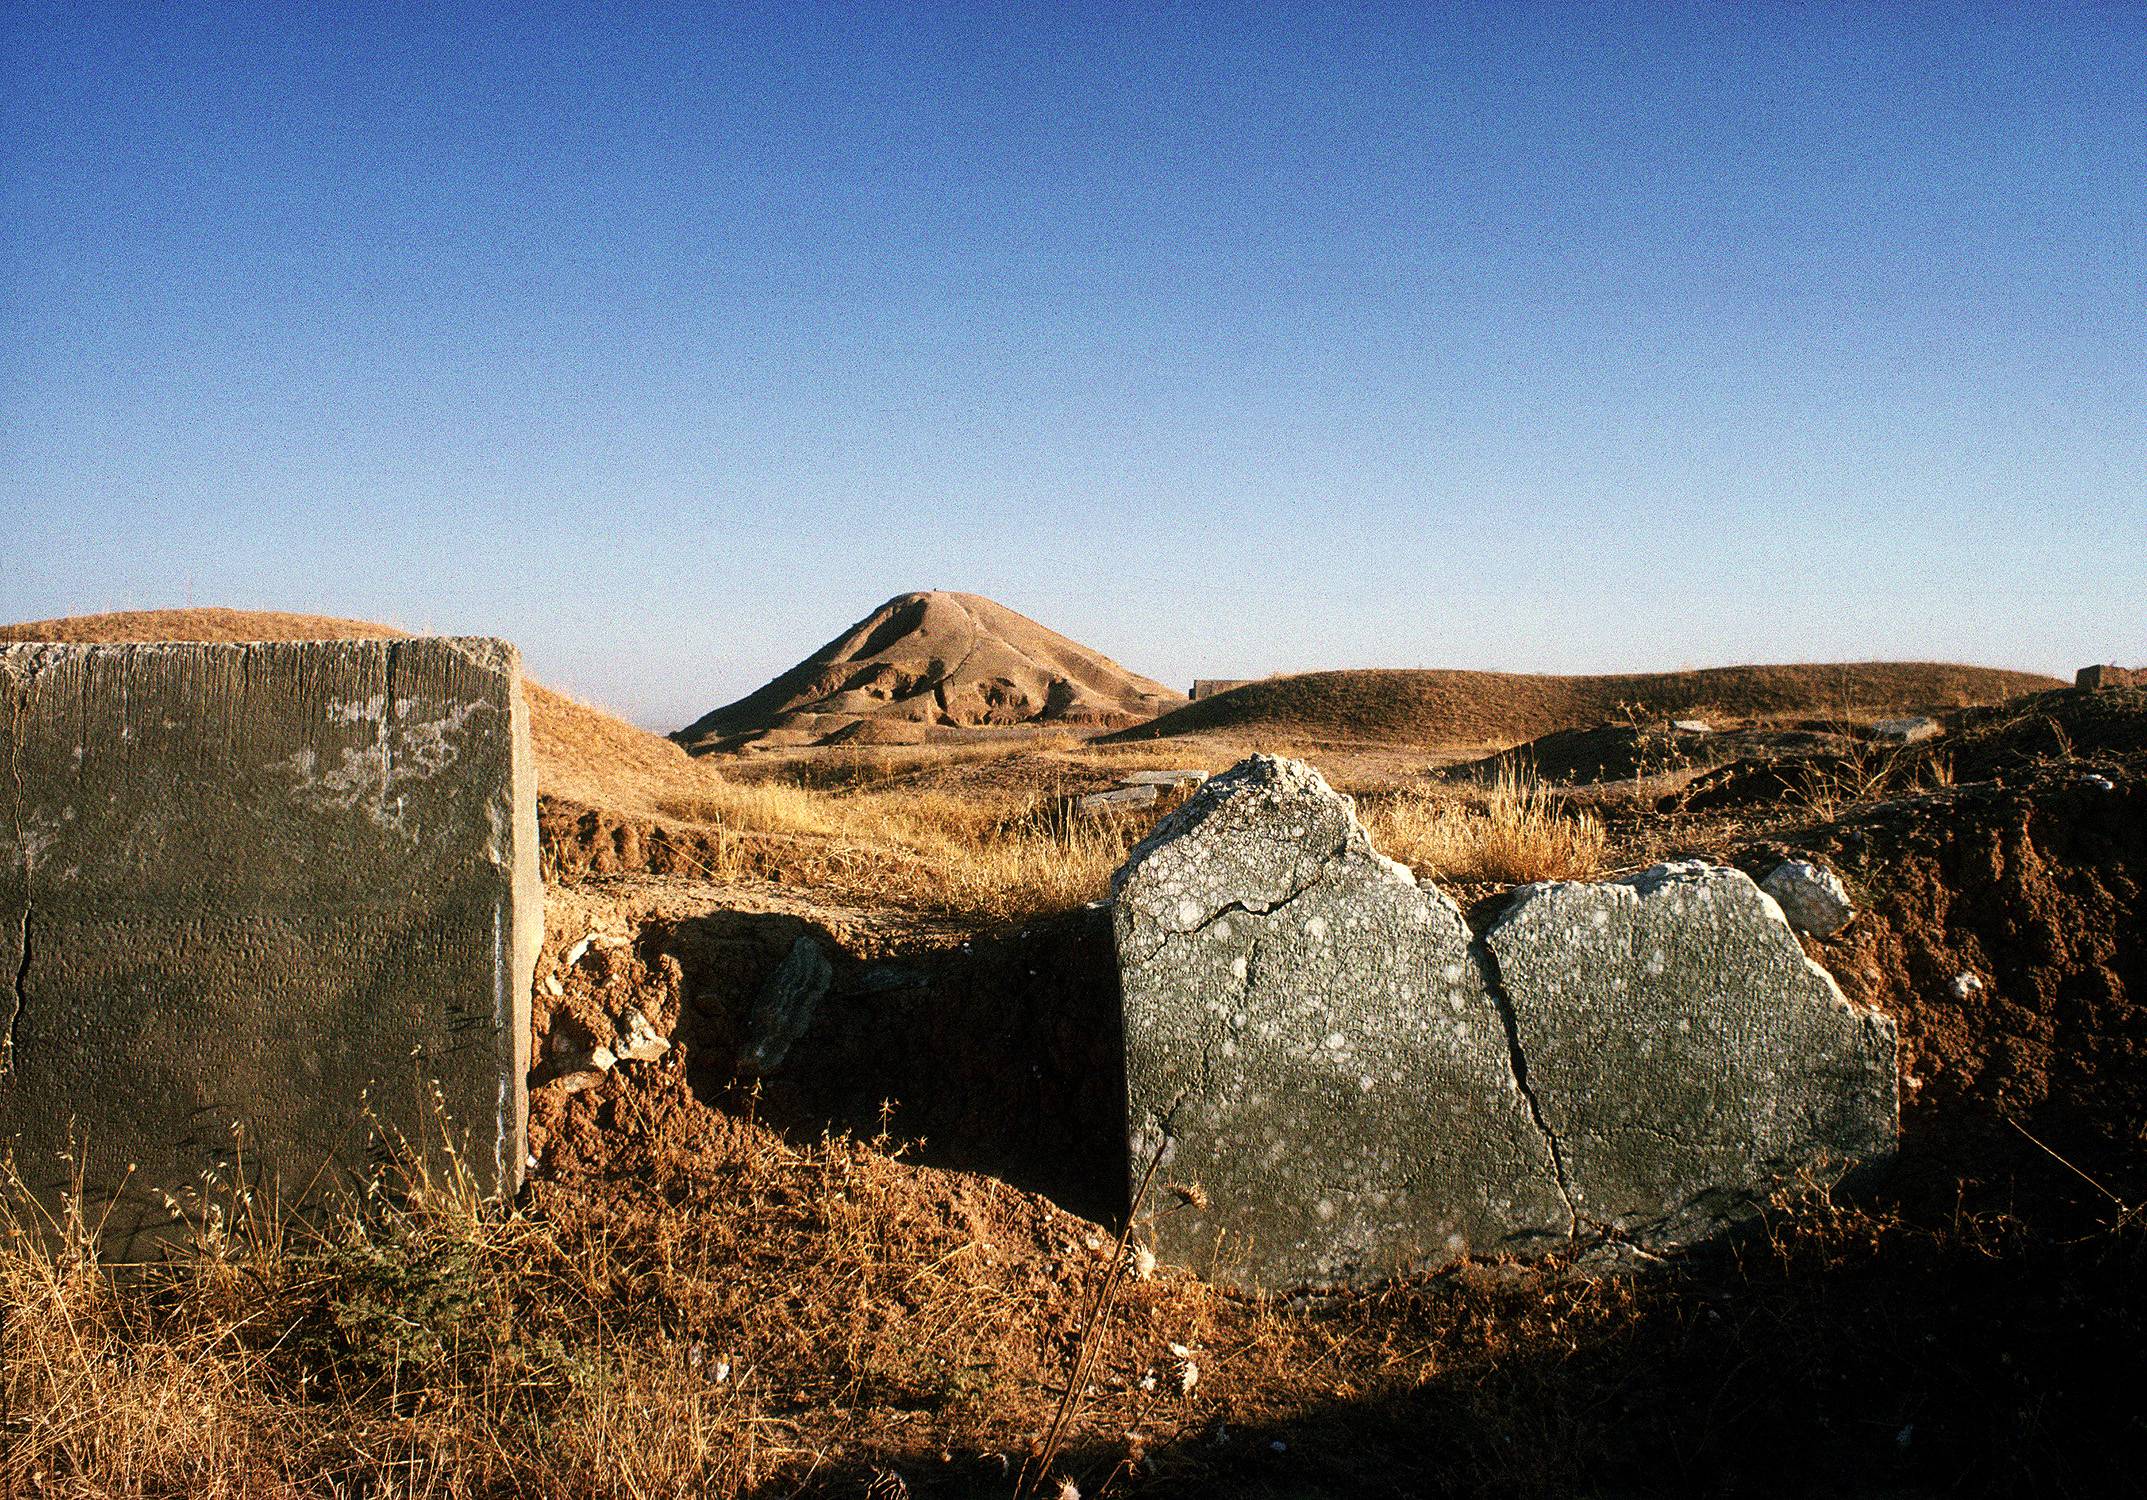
{"x": 1311, "y": 1039}
{"x": 277, "y": 885}
{"x": 1684, "y": 1054}
{"x": 1357, "y": 1083}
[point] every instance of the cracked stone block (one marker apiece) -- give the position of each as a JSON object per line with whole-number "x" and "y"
{"x": 274, "y": 886}
{"x": 1682, "y": 1051}
{"x": 1311, "y": 1041}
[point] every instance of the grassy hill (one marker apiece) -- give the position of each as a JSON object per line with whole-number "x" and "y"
{"x": 1438, "y": 709}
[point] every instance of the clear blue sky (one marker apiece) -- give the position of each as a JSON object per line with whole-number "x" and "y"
{"x": 667, "y": 342}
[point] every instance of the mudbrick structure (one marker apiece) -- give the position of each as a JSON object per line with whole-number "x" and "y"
{"x": 274, "y": 889}
{"x": 1344, "y": 1080}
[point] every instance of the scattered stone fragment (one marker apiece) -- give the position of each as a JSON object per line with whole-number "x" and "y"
{"x": 784, "y": 1008}
{"x": 552, "y": 986}
{"x": 1681, "y": 1050}
{"x": 1692, "y": 726}
{"x": 569, "y": 1058}
{"x": 1906, "y": 731}
{"x": 1813, "y": 898}
{"x": 1163, "y": 778}
{"x": 2098, "y": 783}
{"x": 1313, "y": 1048}
{"x": 574, "y": 954}
{"x": 639, "y": 1041}
{"x": 1125, "y": 796}
{"x": 1965, "y": 985}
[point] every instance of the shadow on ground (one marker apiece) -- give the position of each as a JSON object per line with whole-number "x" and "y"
{"x": 1003, "y": 1056}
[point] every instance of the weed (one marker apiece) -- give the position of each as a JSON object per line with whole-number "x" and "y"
{"x": 1512, "y": 833}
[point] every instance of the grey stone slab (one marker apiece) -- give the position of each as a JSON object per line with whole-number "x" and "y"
{"x": 1682, "y": 1051}
{"x": 1311, "y": 1041}
{"x": 1906, "y": 731}
{"x": 1163, "y": 778}
{"x": 784, "y": 1009}
{"x": 1125, "y": 796}
{"x": 277, "y": 885}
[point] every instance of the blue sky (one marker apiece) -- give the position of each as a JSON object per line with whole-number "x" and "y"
{"x": 668, "y": 341}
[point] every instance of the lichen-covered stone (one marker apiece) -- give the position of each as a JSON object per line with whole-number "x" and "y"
{"x": 1311, "y": 1040}
{"x": 1810, "y": 896}
{"x": 1682, "y": 1051}
{"x": 277, "y": 886}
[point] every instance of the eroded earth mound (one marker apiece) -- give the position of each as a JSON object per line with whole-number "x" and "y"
{"x": 931, "y": 666}
{"x": 1437, "y": 709}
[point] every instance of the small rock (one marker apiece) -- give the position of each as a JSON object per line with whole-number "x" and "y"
{"x": 1812, "y": 897}
{"x": 1163, "y": 778}
{"x": 575, "y": 1082}
{"x": 1965, "y": 985}
{"x": 574, "y": 954}
{"x": 2093, "y": 679}
{"x": 1125, "y": 796}
{"x": 1905, "y": 731}
{"x": 639, "y": 1041}
{"x": 1692, "y": 726}
{"x": 2098, "y": 783}
{"x": 552, "y": 986}
{"x": 784, "y": 1008}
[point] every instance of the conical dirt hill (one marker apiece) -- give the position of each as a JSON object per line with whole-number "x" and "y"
{"x": 933, "y": 666}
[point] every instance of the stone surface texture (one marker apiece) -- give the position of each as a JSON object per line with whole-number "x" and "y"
{"x": 1311, "y": 1041}
{"x": 1907, "y": 731}
{"x": 1683, "y": 1052}
{"x": 2097, "y": 678}
{"x": 784, "y": 1008}
{"x": 1356, "y": 1083}
{"x": 271, "y": 885}
{"x": 1810, "y": 896}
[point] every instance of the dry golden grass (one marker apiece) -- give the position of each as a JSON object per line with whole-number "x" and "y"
{"x": 1000, "y": 855}
{"x": 1513, "y": 832}
{"x": 759, "y": 1318}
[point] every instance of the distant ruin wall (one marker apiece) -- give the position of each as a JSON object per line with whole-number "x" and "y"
{"x": 1343, "y": 1080}
{"x": 277, "y": 886}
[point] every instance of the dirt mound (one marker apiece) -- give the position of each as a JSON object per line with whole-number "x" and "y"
{"x": 926, "y": 667}
{"x": 1450, "y": 710}
{"x": 583, "y": 754}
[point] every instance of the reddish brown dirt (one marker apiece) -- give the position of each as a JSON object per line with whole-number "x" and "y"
{"x": 1972, "y": 1318}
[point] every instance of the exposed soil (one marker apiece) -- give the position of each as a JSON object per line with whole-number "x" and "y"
{"x": 1972, "y": 1317}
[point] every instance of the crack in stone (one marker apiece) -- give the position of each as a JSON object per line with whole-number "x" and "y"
{"x": 1517, "y": 1058}
{"x": 1249, "y": 909}
{"x": 17, "y": 998}
{"x": 387, "y": 729}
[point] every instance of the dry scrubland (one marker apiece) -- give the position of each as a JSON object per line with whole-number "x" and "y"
{"x": 689, "y": 1301}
